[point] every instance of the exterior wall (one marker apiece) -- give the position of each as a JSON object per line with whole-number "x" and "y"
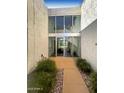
{"x": 89, "y": 31}
{"x": 88, "y": 12}
{"x": 88, "y": 44}
{"x": 37, "y": 32}
{"x": 64, "y": 11}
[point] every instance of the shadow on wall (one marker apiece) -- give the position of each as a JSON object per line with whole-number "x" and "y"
{"x": 89, "y": 44}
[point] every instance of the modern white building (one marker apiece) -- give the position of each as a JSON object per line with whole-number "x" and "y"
{"x": 69, "y": 32}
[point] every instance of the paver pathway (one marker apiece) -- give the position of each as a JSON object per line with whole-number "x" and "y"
{"x": 73, "y": 82}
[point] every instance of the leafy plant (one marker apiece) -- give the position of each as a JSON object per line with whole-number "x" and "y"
{"x": 46, "y": 66}
{"x": 93, "y": 78}
{"x": 84, "y": 65}
{"x": 43, "y": 77}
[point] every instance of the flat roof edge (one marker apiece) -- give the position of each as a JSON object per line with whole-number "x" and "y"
{"x": 64, "y": 11}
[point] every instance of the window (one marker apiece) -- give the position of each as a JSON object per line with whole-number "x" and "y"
{"x": 76, "y": 23}
{"x": 52, "y": 46}
{"x": 68, "y": 24}
{"x": 51, "y": 24}
{"x": 59, "y": 24}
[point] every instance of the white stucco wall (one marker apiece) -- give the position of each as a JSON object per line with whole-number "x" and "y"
{"x": 37, "y": 32}
{"x": 89, "y": 32}
{"x": 89, "y": 44}
{"x": 88, "y": 12}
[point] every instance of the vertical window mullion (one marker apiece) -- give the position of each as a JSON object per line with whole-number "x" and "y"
{"x": 72, "y": 23}
{"x": 64, "y": 23}
{"x": 55, "y": 24}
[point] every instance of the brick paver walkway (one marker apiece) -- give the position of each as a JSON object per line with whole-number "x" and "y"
{"x": 73, "y": 82}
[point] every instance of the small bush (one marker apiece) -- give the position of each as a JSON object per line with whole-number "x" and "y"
{"x": 46, "y": 66}
{"x": 93, "y": 78}
{"x": 43, "y": 77}
{"x": 84, "y": 65}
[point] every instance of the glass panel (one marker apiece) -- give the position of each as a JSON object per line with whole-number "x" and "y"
{"x": 68, "y": 24}
{"x": 76, "y": 23}
{"x": 51, "y": 24}
{"x": 76, "y": 46}
{"x": 60, "y": 46}
{"x": 73, "y": 46}
{"x": 52, "y": 46}
{"x": 68, "y": 48}
{"x": 59, "y": 24}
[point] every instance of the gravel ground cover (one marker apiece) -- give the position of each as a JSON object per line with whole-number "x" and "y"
{"x": 59, "y": 81}
{"x": 87, "y": 80}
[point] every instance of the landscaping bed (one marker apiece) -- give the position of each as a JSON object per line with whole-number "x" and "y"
{"x": 45, "y": 78}
{"x": 88, "y": 74}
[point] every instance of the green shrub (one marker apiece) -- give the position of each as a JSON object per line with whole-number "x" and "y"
{"x": 42, "y": 80}
{"x": 42, "y": 77}
{"x": 84, "y": 66}
{"x": 93, "y": 78}
{"x": 46, "y": 66}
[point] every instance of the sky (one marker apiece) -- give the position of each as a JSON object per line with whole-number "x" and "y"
{"x": 62, "y": 3}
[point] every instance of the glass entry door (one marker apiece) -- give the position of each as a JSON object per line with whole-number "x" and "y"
{"x": 64, "y": 46}
{"x": 68, "y": 46}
